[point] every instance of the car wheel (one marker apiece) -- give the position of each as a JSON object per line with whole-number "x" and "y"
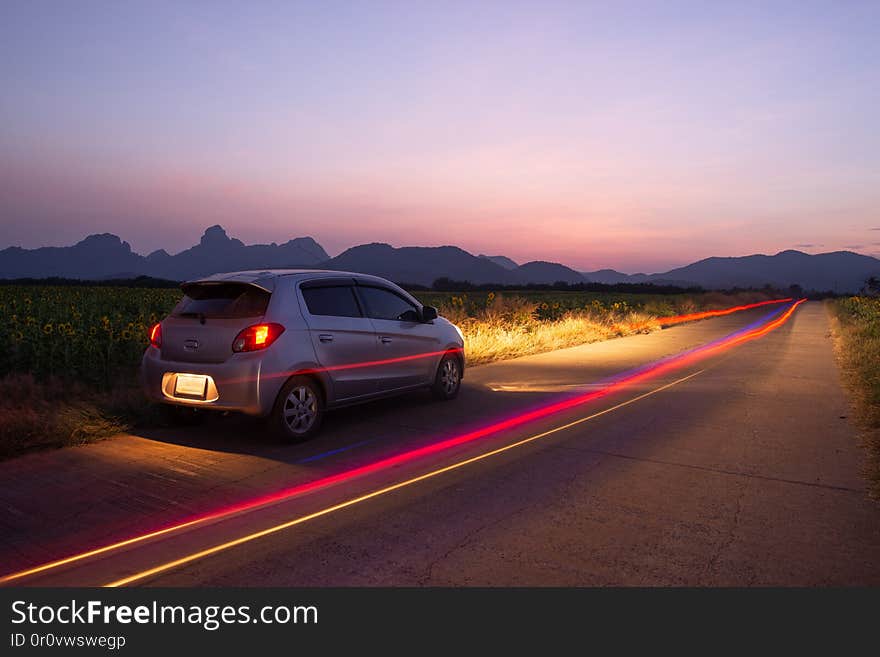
{"x": 448, "y": 379}
{"x": 298, "y": 410}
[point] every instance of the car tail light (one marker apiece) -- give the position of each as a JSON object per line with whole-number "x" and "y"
{"x": 256, "y": 337}
{"x": 156, "y": 335}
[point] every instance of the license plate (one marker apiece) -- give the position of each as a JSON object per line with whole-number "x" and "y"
{"x": 191, "y": 385}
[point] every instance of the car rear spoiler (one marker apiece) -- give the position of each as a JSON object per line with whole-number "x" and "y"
{"x": 265, "y": 284}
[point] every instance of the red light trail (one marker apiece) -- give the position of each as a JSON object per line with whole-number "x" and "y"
{"x": 386, "y": 361}
{"x": 677, "y": 319}
{"x": 662, "y": 321}
{"x": 667, "y": 365}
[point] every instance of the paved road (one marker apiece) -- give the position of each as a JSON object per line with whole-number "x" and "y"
{"x": 745, "y": 473}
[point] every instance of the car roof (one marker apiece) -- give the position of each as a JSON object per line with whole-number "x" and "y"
{"x": 265, "y": 278}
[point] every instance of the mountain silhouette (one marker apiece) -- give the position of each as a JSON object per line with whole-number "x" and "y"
{"x": 420, "y": 264}
{"x": 540, "y": 271}
{"x": 217, "y": 252}
{"x": 423, "y": 265}
{"x": 97, "y": 256}
{"x": 839, "y": 271}
{"x": 611, "y": 276}
{"x": 106, "y": 256}
{"x": 501, "y": 260}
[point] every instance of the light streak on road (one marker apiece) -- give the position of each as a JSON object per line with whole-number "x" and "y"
{"x": 677, "y": 319}
{"x": 627, "y": 328}
{"x": 381, "y": 491}
{"x": 751, "y": 332}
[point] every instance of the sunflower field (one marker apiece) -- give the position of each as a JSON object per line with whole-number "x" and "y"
{"x": 88, "y": 334}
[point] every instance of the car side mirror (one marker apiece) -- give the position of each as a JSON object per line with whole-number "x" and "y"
{"x": 428, "y": 313}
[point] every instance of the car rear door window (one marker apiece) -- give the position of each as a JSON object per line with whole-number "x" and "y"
{"x": 385, "y": 304}
{"x": 337, "y": 301}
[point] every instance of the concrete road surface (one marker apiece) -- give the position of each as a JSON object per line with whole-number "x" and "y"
{"x": 737, "y": 469}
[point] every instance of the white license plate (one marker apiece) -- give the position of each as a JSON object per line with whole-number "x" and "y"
{"x": 192, "y": 385}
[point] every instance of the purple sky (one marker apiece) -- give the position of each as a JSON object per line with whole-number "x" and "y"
{"x": 639, "y": 136}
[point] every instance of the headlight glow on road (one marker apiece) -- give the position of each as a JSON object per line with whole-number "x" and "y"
{"x": 751, "y": 332}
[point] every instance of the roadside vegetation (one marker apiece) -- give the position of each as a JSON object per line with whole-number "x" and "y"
{"x": 499, "y": 326}
{"x": 857, "y": 333}
{"x": 68, "y": 366}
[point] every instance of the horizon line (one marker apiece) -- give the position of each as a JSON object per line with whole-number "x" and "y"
{"x": 435, "y": 246}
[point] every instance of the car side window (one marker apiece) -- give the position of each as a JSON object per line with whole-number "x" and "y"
{"x": 385, "y": 304}
{"x": 338, "y": 301}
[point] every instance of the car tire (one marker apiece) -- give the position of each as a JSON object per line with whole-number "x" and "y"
{"x": 299, "y": 410}
{"x": 447, "y": 382}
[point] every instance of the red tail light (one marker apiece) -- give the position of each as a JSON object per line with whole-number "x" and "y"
{"x": 156, "y": 335}
{"x": 258, "y": 336}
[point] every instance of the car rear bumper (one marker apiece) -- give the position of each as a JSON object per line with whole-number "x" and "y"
{"x": 235, "y": 385}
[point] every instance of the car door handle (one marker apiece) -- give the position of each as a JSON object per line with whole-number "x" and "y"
{"x": 385, "y": 339}
{"x": 325, "y": 337}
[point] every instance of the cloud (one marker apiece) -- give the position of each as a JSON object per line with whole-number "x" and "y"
{"x": 878, "y": 228}
{"x": 853, "y": 246}
{"x": 808, "y": 246}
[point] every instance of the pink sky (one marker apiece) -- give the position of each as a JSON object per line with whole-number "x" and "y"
{"x": 641, "y": 137}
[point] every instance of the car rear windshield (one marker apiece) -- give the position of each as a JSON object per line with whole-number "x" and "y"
{"x": 222, "y": 300}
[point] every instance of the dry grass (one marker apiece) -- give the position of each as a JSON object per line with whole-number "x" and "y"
{"x": 489, "y": 340}
{"x": 42, "y": 414}
{"x": 502, "y": 327}
{"x": 856, "y": 328}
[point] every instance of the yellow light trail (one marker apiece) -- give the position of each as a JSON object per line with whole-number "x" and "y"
{"x": 226, "y": 513}
{"x": 382, "y": 491}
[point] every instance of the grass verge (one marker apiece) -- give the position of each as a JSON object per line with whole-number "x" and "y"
{"x": 856, "y": 328}
{"x": 499, "y": 327}
{"x": 43, "y": 414}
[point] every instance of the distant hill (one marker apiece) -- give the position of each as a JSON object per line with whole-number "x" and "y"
{"x": 503, "y": 261}
{"x": 424, "y": 265}
{"x": 840, "y": 271}
{"x": 420, "y": 264}
{"x": 611, "y": 276}
{"x": 97, "y": 256}
{"x": 217, "y": 252}
{"x": 540, "y": 271}
{"x": 106, "y": 256}
{"x": 102, "y": 257}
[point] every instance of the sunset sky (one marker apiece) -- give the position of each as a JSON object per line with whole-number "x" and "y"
{"x": 639, "y": 136}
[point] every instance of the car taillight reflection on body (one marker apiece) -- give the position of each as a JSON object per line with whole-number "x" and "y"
{"x": 156, "y": 335}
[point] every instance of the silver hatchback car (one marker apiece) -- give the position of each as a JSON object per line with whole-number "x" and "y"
{"x": 289, "y": 344}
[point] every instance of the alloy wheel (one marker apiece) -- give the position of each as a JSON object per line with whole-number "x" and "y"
{"x": 300, "y": 409}
{"x": 449, "y": 376}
